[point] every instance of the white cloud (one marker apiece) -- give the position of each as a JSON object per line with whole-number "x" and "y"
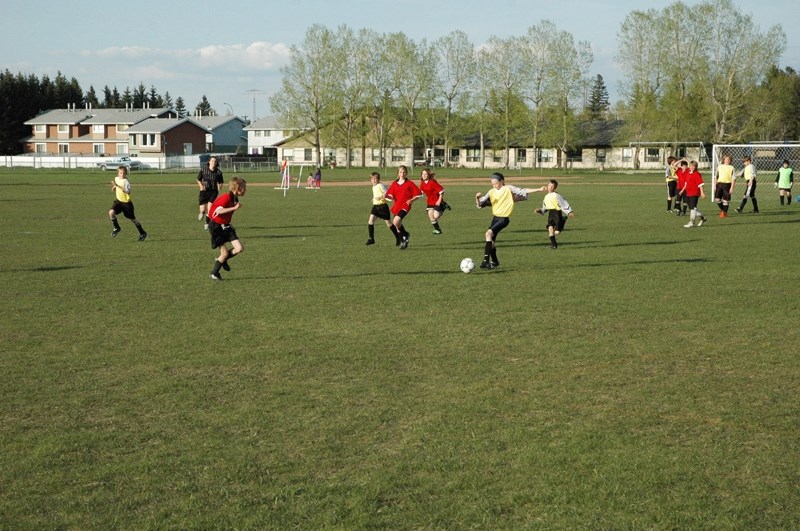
{"x": 258, "y": 55}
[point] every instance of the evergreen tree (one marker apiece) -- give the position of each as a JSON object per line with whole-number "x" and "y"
{"x": 108, "y": 98}
{"x": 204, "y": 107}
{"x": 155, "y": 100}
{"x": 127, "y": 97}
{"x": 180, "y": 107}
{"x": 167, "y": 102}
{"x": 91, "y": 98}
{"x": 598, "y": 100}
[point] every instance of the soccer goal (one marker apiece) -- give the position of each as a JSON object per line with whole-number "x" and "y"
{"x": 286, "y": 176}
{"x": 767, "y": 159}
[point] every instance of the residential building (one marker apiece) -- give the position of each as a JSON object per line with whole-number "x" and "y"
{"x": 86, "y": 131}
{"x": 264, "y": 134}
{"x": 226, "y": 133}
{"x": 167, "y": 136}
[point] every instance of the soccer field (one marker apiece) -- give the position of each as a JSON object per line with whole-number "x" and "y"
{"x": 642, "y": 375}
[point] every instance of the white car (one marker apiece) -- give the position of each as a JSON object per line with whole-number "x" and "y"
{"x": 119, "y": 161}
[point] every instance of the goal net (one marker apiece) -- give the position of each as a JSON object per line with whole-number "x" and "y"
{"x": 767, "y": 159}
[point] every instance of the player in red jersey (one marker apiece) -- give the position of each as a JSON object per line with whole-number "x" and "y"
{"x": 681, "y": 173}
{"x": 693, "y": 191}
{"x": 220, "y": 228}
{"x": 434, "y": 195}
{"x": 402, "y": 193}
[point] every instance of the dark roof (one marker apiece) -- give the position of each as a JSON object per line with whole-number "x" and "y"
{"x": 598, "y": 133}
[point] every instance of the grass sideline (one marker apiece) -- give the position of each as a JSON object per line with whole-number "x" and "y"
{"x": 641, "y": 376}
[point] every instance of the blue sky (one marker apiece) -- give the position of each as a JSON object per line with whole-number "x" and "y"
{"x": 232, "y": 51}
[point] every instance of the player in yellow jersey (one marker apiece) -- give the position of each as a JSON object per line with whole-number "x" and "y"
{"x": 557, "y": 209}
{"x": 123, "y": 203}
{"x": 749, "y": 174}
{"x": 501, "y": 198}
{"x": 380, "y": 209}
{"x": 724, "y": 185}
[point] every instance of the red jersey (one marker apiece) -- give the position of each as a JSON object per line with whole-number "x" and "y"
{"x": 694, "y": 180}
{"x": 402, "y": 194}
{"x": 681, "y": 173}
{"x": 225, "y": 201}
{"x": 432, "y": 190}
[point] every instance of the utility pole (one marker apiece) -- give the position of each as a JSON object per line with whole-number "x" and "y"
{"x": 254, "y": 92}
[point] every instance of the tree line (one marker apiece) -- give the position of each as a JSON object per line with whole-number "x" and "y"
{"x": 26, "y": 95}
{"x": 692, "y": 73}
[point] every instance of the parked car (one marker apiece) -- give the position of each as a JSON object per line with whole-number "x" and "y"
{"x": 116, "y": 162}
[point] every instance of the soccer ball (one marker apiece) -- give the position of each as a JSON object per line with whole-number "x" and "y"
{"x": 467, "y": 265}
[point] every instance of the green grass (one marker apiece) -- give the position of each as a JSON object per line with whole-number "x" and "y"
{"x": 641, "y": 376}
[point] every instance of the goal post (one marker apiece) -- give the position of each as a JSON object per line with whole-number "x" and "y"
{"x": 766, "y": 158}
{"x": 286, "y": 170}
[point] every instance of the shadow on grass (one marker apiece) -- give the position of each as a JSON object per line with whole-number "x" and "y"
{"x": 43, "y": 269}
{"x": 639, "y": 262}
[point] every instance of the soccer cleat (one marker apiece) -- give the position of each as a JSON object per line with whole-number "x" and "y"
{"x": 739, "y": 210}
{"x": 485, "y": 264}
{"x": 142, "y": 236}
{"x": 553, "y": 246}
{"x": 205, "y": 226}
{"x": 437, "y": 231}
{"x": 404, "y": 243}
{"x": 370, "y": 242}
{"x": 225, "y": 266}
{"x": 200, "y": 216}
{"x": 702, "y": 220}
{"x": 494, "y": 265}
{"x": 723, "y": 214}
{"x": 115, "y": 232}
{"x": 689, "y": 225}
{"x": 216, "y": 277}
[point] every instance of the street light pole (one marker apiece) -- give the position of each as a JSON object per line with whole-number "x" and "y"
{"x": 230, "y": 109}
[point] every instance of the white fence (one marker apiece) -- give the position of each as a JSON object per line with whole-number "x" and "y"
{"x": 73, "y": 162}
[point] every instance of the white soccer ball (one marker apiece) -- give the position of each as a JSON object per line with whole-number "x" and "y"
{"x": 467, "y": 265}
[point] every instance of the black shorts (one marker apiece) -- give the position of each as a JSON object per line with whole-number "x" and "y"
{"x": 207, "y": 196}
{"x": 402, "y": 214}
{"x": 750, "y": 191}
{"x": 691, "y": 201}
{"x": 498, "y": 224}
{"x": 723, "y": 191}
{"x": 125, "y": 208}
{"x": 381, "y": 211}
{"x": 554, "y": 218}
{"x": 437, "y": 208}
{"x": 221, "y": 234}
{"x": 672, "y": 188}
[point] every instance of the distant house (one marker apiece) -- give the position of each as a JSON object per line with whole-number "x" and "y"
{"x": 86, "y": 131}
{"x": 226, "y": 133}
{"x": 264, "y": 134}
{"x": 167, "y": 136}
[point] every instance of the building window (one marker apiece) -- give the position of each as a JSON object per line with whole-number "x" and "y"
{"x": 41, "y": 148}
{"x": 63, "y": 128}
{"x": 98, "y": 149}
{"x": 122, "y": 148}
{"x": 376, "y": 154}
{"x": 39, "y": 129}
{"x": 494, "y": 156}
{"x": 352, "y": 155}
{"x": 681, "y": 152}
{"x": 122, "y": 127}
{"x": 455, "y": 155}
{"x": 398, "y": 154}
{"x": 63, "y": 148}
{"x": 133, "y": 139}
{"x": 652, "y": 155}
{"x": 600, "y": 155}
{"x": 473, "y": 155}
{"x": 627, "y": 154}
{"x": 144, "y": 140}
{"x": 522, "y": 155}
{"x": 259, "y": 134}
{"x": 98, "y": 129}
{"x": 307, "y": 155}
{"x": 544, "y": 155}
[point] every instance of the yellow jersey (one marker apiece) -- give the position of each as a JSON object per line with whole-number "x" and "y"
{"x": 122, "y": 189}
{"x": 378, "y": 192}
{"x": 725, "y": 173}
{"x": 502, "y": 201}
